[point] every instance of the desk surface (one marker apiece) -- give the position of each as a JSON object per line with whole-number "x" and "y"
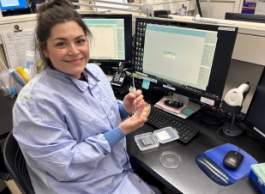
{"x": 188, "y": 178}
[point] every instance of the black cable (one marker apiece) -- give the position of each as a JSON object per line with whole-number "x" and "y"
{"x": 199, "y": 7}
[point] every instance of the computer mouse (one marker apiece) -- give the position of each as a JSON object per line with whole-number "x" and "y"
{"x": 174, "y": 103}
{"x": 233, "y": 159}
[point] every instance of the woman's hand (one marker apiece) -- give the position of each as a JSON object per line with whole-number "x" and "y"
{"x": 137, "y": 120}
{"x": 133, "y": 100}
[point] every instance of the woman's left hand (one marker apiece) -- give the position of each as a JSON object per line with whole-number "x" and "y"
{"x": 133, "y": 100}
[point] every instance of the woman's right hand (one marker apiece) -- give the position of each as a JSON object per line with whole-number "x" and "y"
{"x": 137, "y": 120}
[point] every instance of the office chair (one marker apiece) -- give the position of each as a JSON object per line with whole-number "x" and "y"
{"x": 16, "y": 165}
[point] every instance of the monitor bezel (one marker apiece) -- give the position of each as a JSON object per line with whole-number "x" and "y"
{"x": 220, "y": 64}
{"x": 127, "y": 36}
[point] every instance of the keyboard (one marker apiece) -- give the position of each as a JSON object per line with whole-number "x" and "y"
{"x": 160, "y": 119}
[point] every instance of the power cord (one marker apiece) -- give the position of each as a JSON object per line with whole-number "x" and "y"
{"x": 199, "y": 7}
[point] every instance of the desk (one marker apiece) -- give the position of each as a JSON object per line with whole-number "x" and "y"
{"x": 188, "y": 178}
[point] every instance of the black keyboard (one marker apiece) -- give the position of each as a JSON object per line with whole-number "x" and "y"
{"x": 160, "y": 119}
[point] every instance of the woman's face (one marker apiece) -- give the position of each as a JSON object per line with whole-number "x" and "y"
{"x": 68, "y": 48}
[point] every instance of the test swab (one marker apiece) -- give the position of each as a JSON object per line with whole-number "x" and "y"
{"x": 132, "y": 88}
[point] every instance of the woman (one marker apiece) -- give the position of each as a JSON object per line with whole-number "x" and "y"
{"x": 68, "y": 124}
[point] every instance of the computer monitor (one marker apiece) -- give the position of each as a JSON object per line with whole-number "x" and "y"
{"x": 14, "y": 7}
{"x": 256, "y": 110}
{"x": 187, "y": 58}
{"x": 245, "y": 17}
{"x": 111, "y": 37}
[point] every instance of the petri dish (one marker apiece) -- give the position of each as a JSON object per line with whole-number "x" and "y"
{"x": 166, "y": 134}
{"x": 170, "y": 159}
{"x": 146, "y": 141}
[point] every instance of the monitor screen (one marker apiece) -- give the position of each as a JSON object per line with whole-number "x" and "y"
{"x": 193, "y": 59}
{"x": 256, "y": 110}
{"x": 111, "y": 37}
{"x": 13, "y": 4}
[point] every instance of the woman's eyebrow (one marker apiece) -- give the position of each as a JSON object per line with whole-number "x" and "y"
{"x": 59, "y": 38}
{"x": 81, "y": 36}
{"x": 65, "y": 39}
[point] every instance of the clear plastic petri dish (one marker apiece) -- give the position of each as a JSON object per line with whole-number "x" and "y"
{"x": 170, "y": 159}
{"x": 146, "y": 141}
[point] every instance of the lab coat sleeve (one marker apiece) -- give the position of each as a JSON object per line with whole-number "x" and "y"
{"x": 123, "y": 113}
{"x": 45, "y": 139}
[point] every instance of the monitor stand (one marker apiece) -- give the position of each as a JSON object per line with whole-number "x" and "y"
{"x": 230, "y": 129}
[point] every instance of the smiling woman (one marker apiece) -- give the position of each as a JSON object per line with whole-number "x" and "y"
{"x": 69, "y": 126}
{"x": 67, "y": 48}
{"x": 66, "y": 38}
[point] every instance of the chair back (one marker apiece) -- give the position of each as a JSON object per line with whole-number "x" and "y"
{"x": 16, "y": 165}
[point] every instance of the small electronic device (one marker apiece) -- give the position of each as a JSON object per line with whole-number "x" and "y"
{"x": 233, "y": 159}
{"x": 118, "y": 78}
{"x": 235, "y": 96}
{"x": 232, "y": 103}
{"x": 174, "y": 103}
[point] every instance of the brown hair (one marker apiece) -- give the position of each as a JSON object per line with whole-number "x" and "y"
{"x": 50, "y": 14}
